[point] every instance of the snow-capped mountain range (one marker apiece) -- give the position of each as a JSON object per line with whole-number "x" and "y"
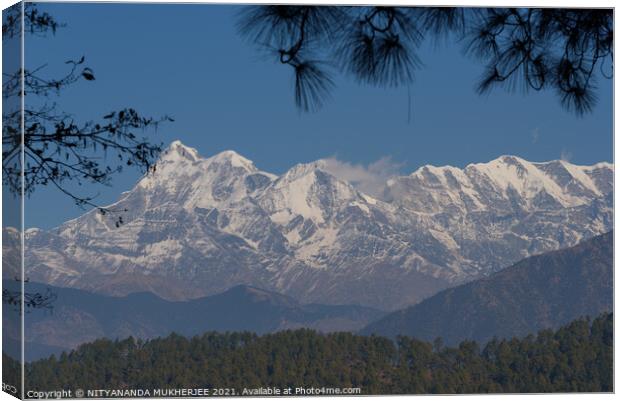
{"x": 198, "y": 226}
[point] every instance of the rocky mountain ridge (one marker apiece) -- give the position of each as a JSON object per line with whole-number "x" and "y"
{"x": 540, "y": 292}
{"x": 78, "y": 316}
{"x": 198, "y": 226}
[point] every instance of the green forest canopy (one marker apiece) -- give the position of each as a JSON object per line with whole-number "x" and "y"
{"x": 576, "y": 357}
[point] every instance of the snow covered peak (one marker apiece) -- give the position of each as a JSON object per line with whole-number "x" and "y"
{"x": 314, "y": 177}
{"x": 600, "y": 165}
{"x": 506, "y": 182}
{"x": 504, "y": 166}
{"x": 176, "y": 143}
{"x": 181, "y": 163}
{"x": 303, "y": 169}
{"x": 509, "y": 159}
{"x": 177, "y": 151}
{"x": 232, "y": 158}
{"x": 210, "y": 222}
{"x": 568, "y": 183}
{"x": 309, "y": 191}
{"x": 516, "y": 160}
{"x": 434, "y": 173}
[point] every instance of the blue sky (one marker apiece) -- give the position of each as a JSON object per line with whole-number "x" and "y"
{"x": 188, "y": 61}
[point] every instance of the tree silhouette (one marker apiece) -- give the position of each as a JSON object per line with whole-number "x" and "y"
{"x": 527, "y": 48}
{"x": 57, "y": 148}
{"x": 32, "y": 301}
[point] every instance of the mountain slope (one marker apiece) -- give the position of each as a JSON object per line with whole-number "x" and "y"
{"x": 197, "y": 226}
{"x": 543, "y": 291}
{"x": 79, "y": 316}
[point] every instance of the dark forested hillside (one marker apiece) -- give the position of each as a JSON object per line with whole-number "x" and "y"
{"x": 543, "y": 291}
{"x": 577, "y": 357}
{"x": 79, "y": 316}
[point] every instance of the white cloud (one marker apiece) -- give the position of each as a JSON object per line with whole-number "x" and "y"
{"x": 566, "y": 155}
{"x": 535, "y": 134}
{"x": 368, "y": 179}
